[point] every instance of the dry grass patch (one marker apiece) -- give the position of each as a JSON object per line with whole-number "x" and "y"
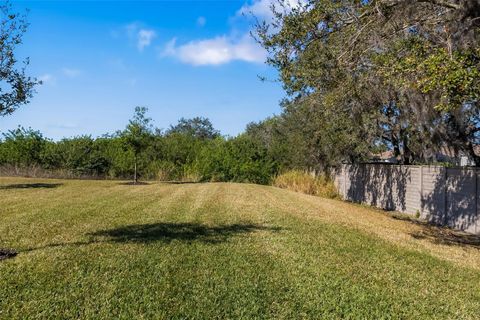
{"x": 399, "y": 229}
{"x": 300, "y": 181}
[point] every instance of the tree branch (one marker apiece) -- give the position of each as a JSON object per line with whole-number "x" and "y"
{"x": 450, "y": 4}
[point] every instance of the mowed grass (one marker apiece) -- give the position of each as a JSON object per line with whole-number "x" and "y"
{"x": 104, "y": 250}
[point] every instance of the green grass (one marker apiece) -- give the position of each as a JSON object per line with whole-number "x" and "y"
{"x": 103, "y": 250}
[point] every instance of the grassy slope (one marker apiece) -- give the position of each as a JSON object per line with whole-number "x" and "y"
{"x": 105, "y": 250}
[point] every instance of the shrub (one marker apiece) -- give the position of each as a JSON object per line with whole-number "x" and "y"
{"x": 173, "y": 156}
{"x": 162, "y": 170}
{"x": 22, "y": 147}
{"x": 241, "y": 159}
{"x": 190, "y": 175}
{"x": 81, "y": 155}
{"x": 301, "y": 181}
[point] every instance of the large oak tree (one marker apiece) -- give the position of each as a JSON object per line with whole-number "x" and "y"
{"x": 405, "y": 74}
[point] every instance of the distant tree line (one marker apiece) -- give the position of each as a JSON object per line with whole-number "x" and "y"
{"x": 361, "y": 77}
{"x": 190, "y": 150}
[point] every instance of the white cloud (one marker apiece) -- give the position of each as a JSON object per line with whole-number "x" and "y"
{"x": 201, "y": 21}
{"x": 262, "y": 8}
{"x": 235, "y": 45}
{"x": 131, "y": 29}
{"x": 71, "y": 73}
{"x": 216, "y": 51}
{"x": 143, "y": 37}
{"x": 170, "y": 48}
{"x": 259, "y": 8}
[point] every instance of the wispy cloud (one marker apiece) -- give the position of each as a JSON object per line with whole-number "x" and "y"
{"x": 47, "y": 78}
{"x": 262, "y": 8}
{"x": 216, "y": 51}
{"x": 201, "y": 21}
{"x": 170, "y": 48}
{"x": 143, "y": 37}
{"x": 71, "y": 73}
{"x": 259, "y": 9}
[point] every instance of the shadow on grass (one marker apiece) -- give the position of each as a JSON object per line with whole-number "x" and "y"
{"x": 181, "y": 182}
{"x": 441, "y": 235}
{"x": 31, "y": 186}
{"x": 7, "y": 253}
{"x": 130, "y": 183}
{"x": 165, "y": 232}
{"x": 188, "y": 232}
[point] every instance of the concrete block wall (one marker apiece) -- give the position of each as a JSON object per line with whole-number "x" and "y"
{"x": 443, "y": 196}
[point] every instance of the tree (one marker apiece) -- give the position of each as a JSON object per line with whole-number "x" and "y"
{"x": 22, "y": 147}
{"x": 137, "y": 134}
{"x": 239, "y": 159}
{"x": 198, "y": 127}
{"x": 402, "y": 73}
{"x": 310, "y": 136}
{"x": 79, "y": 155}
{"x": 16, "y": 88}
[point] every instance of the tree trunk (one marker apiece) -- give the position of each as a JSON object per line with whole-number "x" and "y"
{"x": 135, "y": 171}
{"x": 473, "y": 154}
{"x": 407, "y": 153}
{"x": 396, "y": 148}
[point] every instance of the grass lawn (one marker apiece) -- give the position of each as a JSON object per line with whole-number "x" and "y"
{"x": 101, "y": 249}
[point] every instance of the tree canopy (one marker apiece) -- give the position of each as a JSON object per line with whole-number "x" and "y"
{"x": 137, "y": 134}
{"x": 16, "y": 87}
{"x": 198, "y": 127}
{"x": 399, "y": 74}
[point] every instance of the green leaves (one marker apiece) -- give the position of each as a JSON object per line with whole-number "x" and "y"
{"x": 400, "y": 74}
{"x": 17, "y": 87}
{"x": 415, "y": 64}
{"x": 138, "y": 130}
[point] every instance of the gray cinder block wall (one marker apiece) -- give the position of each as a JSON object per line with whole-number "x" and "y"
{"x": 443, "y": 196}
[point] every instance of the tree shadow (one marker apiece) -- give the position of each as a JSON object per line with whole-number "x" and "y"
{"x": 164, "y": 232}
{"x": 167, "y": 232}
{"x": 131, "y": 183}
{"x": 441, "y": 235}
{"x": 31, "y": 186}
{"x": 443, "y": 196}
{"x": 181, "y": 182}
{"x": 379, "y": 185}
{"x": 452, "y": 199}
{"x": 7, "y": 253}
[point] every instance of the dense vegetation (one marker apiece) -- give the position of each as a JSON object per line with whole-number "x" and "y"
{"x": 364, "y": 76}
{"x": 361, "y": 77}
{"x": 407, "y": 80}
{"x": 191, "y": 150}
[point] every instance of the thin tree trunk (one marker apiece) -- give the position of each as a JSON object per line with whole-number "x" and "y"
{"x": 407, "y": 153}
{"x": 135, "y": 171}
{"x": 396, "y": 148}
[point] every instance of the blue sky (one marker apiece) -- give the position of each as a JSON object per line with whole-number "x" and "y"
{"x": 98, "y": 60}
